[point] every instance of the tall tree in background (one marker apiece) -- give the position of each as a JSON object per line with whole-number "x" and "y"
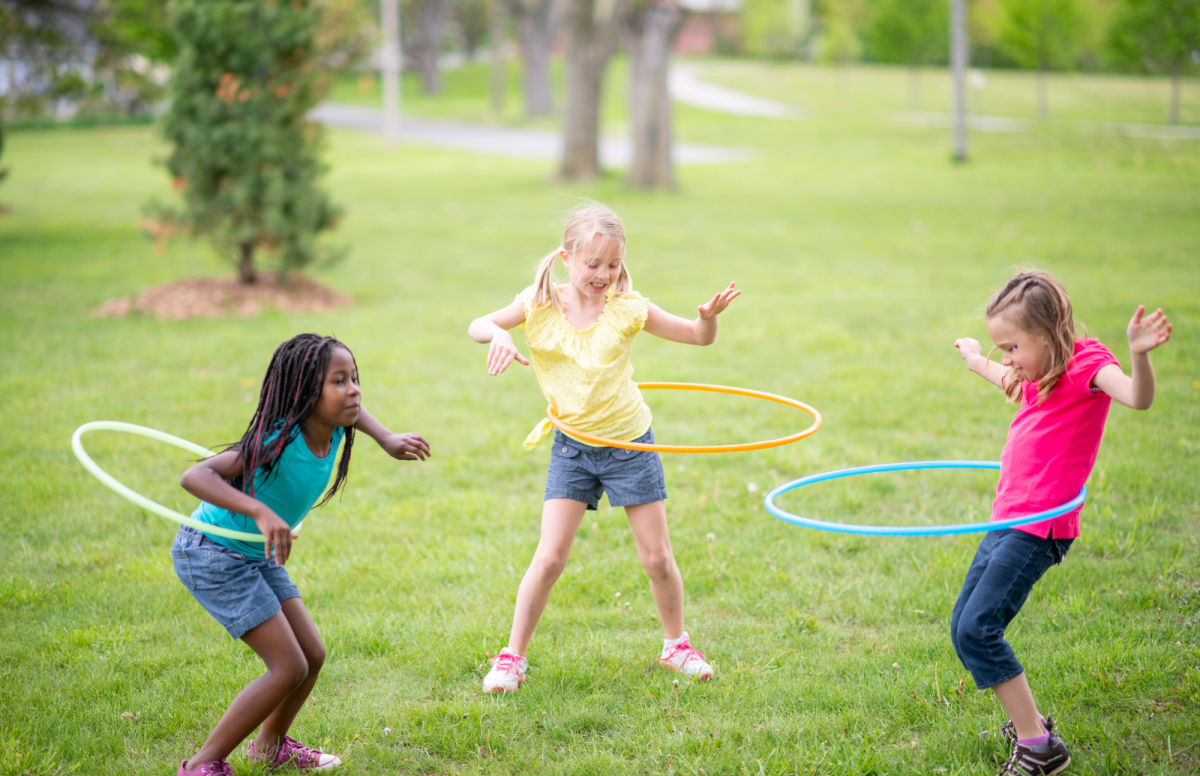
{"x": 909, "y": 32}
{"x": 650, "y": 29}
{"x": 1160, "y": 36}
{"x": 423, "y": 33}
{"x": 244, "y": 154}
{"x": 1041, "y": 34}
{"x": 591, "y": 37}
{"x": 534, "y": 20}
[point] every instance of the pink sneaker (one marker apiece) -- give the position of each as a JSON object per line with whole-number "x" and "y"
{"x": 214, "y": 768}
{"x": 295, "y": 754}
{"x": 508, "y": 672}
{"x": 687, "y": 660}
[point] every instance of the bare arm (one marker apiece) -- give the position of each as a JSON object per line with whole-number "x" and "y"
{"x": 989, "y": 370}
{"x": 701, "y": 331}
{"x": 206, "y": 481}
{"x": 1145, "y": 334}
{"x": 494, "y": 329}
{"x": 403, "y": 447}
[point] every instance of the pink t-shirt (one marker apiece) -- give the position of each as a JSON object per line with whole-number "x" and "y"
{"x": 1052, "y": 446}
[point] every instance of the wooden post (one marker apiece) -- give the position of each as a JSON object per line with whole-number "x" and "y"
{"x": 390, "y": 10}
{"x": 960, "y": 50}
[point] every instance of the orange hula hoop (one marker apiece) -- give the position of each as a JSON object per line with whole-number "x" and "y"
{"x": 739, "y": 448}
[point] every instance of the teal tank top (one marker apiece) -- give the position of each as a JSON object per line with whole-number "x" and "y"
{"x": 294, "y": 486}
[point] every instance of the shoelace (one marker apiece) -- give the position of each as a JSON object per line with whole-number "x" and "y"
{"x": 687, "y": 650}
{"x": 214, "y": 768}
{"x": 295, "y": 752}
{"x": 506, "y": 661}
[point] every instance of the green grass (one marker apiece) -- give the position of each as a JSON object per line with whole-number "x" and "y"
{"x": 863, "y": 254}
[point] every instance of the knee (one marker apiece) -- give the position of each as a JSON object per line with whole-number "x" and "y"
{"x": 293, "y": 672}
{"x": 968, "y": 633}
{"x": 549, "y": 566}
{"x": 659, "y": 564}
{"x": 315, "y": 658}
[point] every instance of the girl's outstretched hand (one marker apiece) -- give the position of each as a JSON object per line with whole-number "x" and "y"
{"x": 968, "y": 347}
{"x": 501, "y": 353}
{"x": 406, "y": 447}
{"x": 1147, "y": 333}
{"x": 718, "y": 303}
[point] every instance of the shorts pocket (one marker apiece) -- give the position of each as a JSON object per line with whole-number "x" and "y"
{"x": 183, "y": 568}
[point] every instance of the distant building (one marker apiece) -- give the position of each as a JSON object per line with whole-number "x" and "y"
{"x": 710, "y": 27}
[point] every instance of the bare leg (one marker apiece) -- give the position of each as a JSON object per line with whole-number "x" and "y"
{"x": 560, "y": 520}
{"x": 287, "y": 669}
{"x": 649, "y": 525}
{"x": 276, "y": 726}
{"x": 1017, "y": 699}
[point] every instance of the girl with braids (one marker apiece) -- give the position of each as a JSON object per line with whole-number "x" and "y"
{"x": 1064, "y": 386}
{"x": 266, "y": 483}
{"x": 580, "y": 335}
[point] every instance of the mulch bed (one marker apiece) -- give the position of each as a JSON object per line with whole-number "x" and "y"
{"x": 221, "y": 297}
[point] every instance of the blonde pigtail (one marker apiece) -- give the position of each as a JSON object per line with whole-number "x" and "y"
{"x": 544, "y": 287}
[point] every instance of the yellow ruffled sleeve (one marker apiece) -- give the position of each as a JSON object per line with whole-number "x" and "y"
{"x": 629, "y": 311}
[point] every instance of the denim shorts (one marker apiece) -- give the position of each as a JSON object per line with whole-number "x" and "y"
{"x": 240, "y": 593}
{"x": 584, "y": 473}
{"x": 1006, "y": 566}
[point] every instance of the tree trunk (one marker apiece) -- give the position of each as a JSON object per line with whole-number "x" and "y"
{"x": 534, "y": 20}
{"x": 590, "y": 43}
{"x": 650, "y": 30}
{"x": 499, "y": 69}
{"x": 429, "y": 44}
{"x": 246, "y": 274}
{"x": 1173, "y": 115}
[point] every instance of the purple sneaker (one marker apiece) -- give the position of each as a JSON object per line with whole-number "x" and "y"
{"x": 295, "y": 754}
{"x": 214, "y": 768}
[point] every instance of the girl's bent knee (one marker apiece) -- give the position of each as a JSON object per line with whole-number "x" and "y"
{"x": 293, "y": 673}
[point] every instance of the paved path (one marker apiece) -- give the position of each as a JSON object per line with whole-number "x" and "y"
{"x": 686, "y": 87}
{"x": 514, "y": 143}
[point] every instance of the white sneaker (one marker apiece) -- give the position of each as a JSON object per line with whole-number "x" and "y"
{"x": 687, "y": 660}
{"x": 508, "y": 671}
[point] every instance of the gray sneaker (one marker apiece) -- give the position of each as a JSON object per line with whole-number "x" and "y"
{"x": 1049, "y": 758}
{"x": 1008, "y": 731}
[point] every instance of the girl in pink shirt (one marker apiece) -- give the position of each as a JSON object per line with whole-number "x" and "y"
{"x": 1064, "y": 386}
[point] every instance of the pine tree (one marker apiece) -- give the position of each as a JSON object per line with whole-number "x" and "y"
{"x": 245, "y": 157}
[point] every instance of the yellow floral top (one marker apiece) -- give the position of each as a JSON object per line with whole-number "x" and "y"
{"x": 585, "y": 374}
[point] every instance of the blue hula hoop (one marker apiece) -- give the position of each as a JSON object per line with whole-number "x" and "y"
{"x": 911, "y": 530}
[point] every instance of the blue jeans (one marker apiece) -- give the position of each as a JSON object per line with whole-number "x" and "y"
{"x": 1006, "y": 566}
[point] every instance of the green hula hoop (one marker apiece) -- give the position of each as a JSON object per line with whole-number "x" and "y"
{"x": 137, "y": 498}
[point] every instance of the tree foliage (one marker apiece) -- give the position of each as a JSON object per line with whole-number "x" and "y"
{"x": 1158, "y": 36}
{"x": 909, "y": 32}
{"x": 1041, "y": 34}
{"x": 99, "y": 55}
{"x": 245, "y": 156}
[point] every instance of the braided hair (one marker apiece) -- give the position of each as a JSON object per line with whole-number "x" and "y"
{"x": 1038, "y": 305}
{"x": 289, "y": 393}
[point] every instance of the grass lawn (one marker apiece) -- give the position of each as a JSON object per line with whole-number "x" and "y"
{"x": 863, "y": 254}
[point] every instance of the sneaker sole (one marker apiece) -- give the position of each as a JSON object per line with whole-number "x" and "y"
{"x": 1062, "y": 767}
{"x": 696, "y": 678}
{"x": 520, "y": 682}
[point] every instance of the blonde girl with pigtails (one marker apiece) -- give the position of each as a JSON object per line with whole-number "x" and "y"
{"x": 580, "y": 336}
